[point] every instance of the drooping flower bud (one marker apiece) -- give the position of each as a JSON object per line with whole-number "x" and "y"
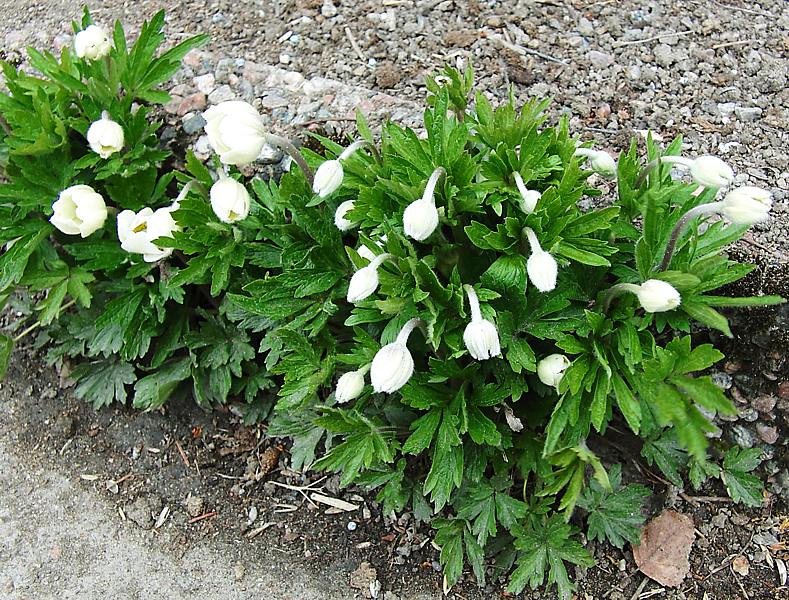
{"x": 229, "y": 200}
{"x": 551, "y": 369}
{"x": 599, "y": 160}
{"x": 235, "y": 131}
{"x": 420, "y": 218}
{"x": 480, "y": 336}
{"x": 747, "y": 205}
{"x": 137, "y": 231}
{"x": 656, "y": 295}
{"x": 79, "y": 210}
{"x": 711, "y": 171}
{"x": 529, "y": 198}
{"x": 340, "y": 221}
{"x": 350, "y": 385}
{"x": 328, "y": 178}
{"x": 92, "y": 43}
{"x": 105, "y": 136}
{"x": 365, "y": 281}
{"x": 541, "y": 266}
{"x": 393, "y": 364}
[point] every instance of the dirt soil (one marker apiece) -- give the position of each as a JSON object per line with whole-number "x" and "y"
{"x": 176, "y": 504}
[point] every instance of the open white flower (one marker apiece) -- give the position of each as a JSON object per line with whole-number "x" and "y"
{"x": 541, "y": 266}
{"x": 340, "y": 221}
{"x": 480, "y": 336}
{"x": 365, "y": 281}
{"x": 105, "y": 136}
{"x": 747, "y": 205}
{"x": 393, "y": 364}
{"x": 529, "y": 198}
{"x": 551, "y": 369}
{"x": 137, "y": 231}
{"x": 350, "y": 385}
{"x": 420, "y": 218}
{"x": 230, "y": 200}
{"x": 79, "y": 210}
{"x": 92, "y": 43}
{"x": 599, "y": 160}
{"x": 235, "y": 131}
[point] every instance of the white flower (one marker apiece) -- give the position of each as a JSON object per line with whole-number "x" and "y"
{"x": 105, "y": 136}
{"x": 541, "y": 266}
{"x": 480, "y": 336}
{"x": 350, "y": 385}
{"x": 599, "y": 160}
{"x": 529, "y": 198}
{"x": 136, "y": 231}
{"x": 420, "y": 218}
{"x": 92, "y": 43}
{"x": 79, "y": 209}
{"x": 235, "y": 132}
{"x": 365, "y": 281}
{"x": 340, "y": 221}
{"x": 551, "y": 369}
{"x": 328, "y": 178}
{"x": 656, "y": 295}
{"x": 393, "y": 364}
{"x": 747, "y": 205}
{"x": 229, "y": 200}
{"x": 710, "y": 171}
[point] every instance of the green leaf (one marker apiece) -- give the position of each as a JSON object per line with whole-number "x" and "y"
{"x": 424, "y": 428}
{"x": 103, "y": 382}
{"x": 6, "y": 347}
{"x": 704, "y": 392}
{"x": 152, "y": 391}
{"x": 706, "y": 316}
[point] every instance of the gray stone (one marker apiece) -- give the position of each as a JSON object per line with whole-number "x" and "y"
{"x": 764, "y": 403}
{"x": 270, "y": 155}
{"x": 742, "y": 436}
{"x": 221, "y": 94}
{"x": 205, "y": 83}
{"x": 193, "y": 124}
{"x": 768, "y": 433}
{"x": 601, "y": 60}
{"x": 328, "y": 9}
{"x": 748, "y": 114}
{"x": 141, "y": 511}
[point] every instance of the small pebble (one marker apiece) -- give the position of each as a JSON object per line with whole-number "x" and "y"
{"x": 351, "y": 526}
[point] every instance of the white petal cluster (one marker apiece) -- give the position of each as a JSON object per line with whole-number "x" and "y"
{"x": 79, "y": 210}
{"x": 365, "y": 281}
{"x": 541, "y": 265}
{"x": 393, "y": 364}
{"x": 350, "y": 386}
{"x": 551, "y": 369}
{"x": 747, "y": 205}
{"x": 710, "y": 171}
{"x": 105, "y": 136}
{"x": 235, "y": 131}
{"x": 656, "y": 295}
{"x": 328, "y": 178}
{"x": 92, "y": 43}
{"x": 529, "y": 198}
{"x": 420, "y": 218}
{"x": 599, "y": 160}
{"x": 340, "y": 221}
{"x": 230, "y": 200}
{"x": 137, "y": 232}
{"x": 480, "y": 336}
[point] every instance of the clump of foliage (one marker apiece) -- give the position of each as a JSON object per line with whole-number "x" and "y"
{"x": 504, "y": 329}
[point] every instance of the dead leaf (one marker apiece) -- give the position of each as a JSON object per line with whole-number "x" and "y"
{"x": 665, "y": 547}
{"x": 741, "y": 566}
{"x": 363, "y": 579}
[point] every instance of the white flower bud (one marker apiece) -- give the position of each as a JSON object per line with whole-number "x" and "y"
{"x": 92, "y": 43}
{"x": 710, "y": 171}
{"x": 420, "y": 218}
{"x": 529, "y": 198}
{"x": 393, "y": 364}
{"x": 551, "y": 369}
{"x": 747, "y": 205}
{"x": 541, "y": 266}
{"x": 365, "y": 252}
{"x": 328, "y": 178}
{"x": 365, "y": 281}
{"x": 340, "y": 221}
{"x": 230, "y": 200}
{"x": 599, "y": 160}
{"x": 350, "y": 386}
{"x": 235, "y": 132}
{"x": 656, "y": 295}
{"x": 105, "y": 136}
{"x": 136, "y": 232}
{"x": 480, "y": 336}
{"x": 79, "y": 210}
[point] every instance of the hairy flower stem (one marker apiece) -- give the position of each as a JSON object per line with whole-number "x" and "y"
{"x": 360, "y": 144}
{"x": 402, "y": 337}
{"x": 473, "y": 302}
{"x": 679, "y": 160}
{"x": 617, "y": 290}
{"x": 37, "y": 324}
{"x": 294, "y": 153}
{"x": 679, "y": 228}
{"x": 430, "y": 188}
{"x": 534, "y": 243}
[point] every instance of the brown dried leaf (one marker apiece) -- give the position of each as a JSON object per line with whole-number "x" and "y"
{"x": 741, "y": 566}
{"x": 665, "y": 547}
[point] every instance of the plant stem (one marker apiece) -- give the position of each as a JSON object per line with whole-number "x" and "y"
{"x": 534, "y": 243}
{"x": 473, "y": 302}
{"x": 617, "y": 290}
{"x": 402, "y": 337}
{"x": 294, "y": 153}
{"x": 701, "y": 209}
{"x": 430, "y": 188}
{"x": 360, "y": 144}
{"x": 37, "y": 324}
{"x": 679, "y": 160}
